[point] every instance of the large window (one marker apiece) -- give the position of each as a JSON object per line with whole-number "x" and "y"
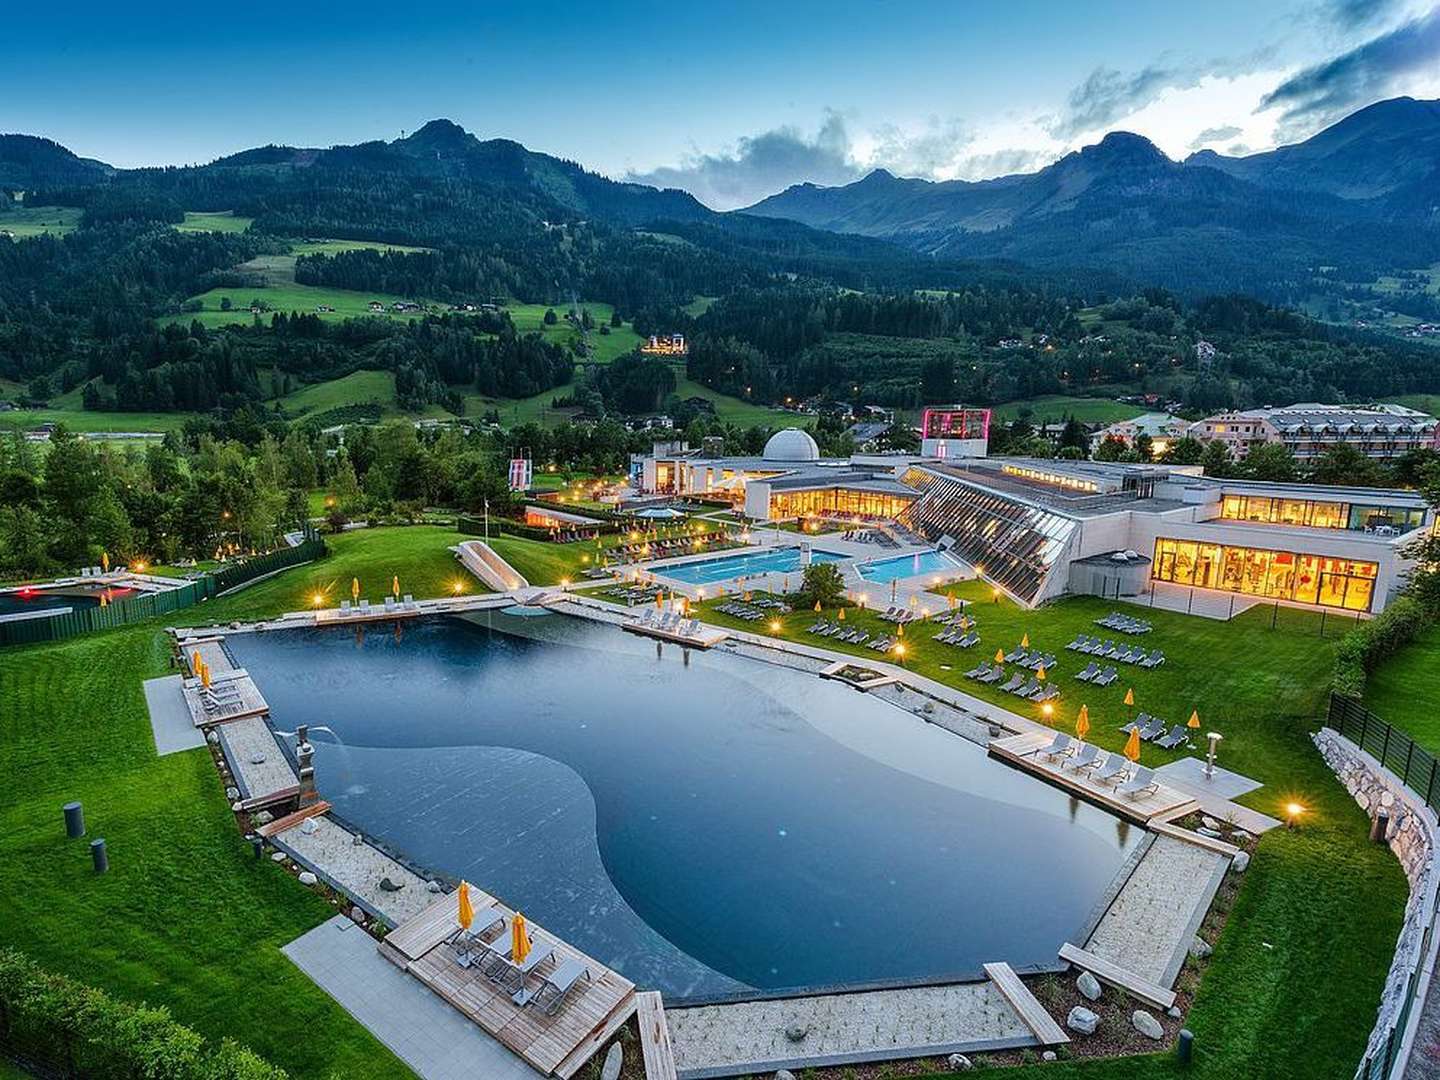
{"x": 1320, "y": 515}
{"x": 1283, "y": 575}
{"x": 843, "y": 502}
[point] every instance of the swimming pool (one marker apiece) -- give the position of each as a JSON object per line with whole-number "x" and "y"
{"x": 885, "y": 571}
{"x": 34, "y": 600}
{"x": 706, "y": 828}
{"x": 784, "y": 560}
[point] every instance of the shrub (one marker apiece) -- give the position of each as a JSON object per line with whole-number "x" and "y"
{"x": 823, "y": 584}
{"x": 1368, "y": 645}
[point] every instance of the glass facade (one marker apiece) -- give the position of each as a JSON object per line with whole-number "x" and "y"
{"x": 1283, "y": 575}
{"x": 1316, "y": 514}
{"x": 842, "y": 502}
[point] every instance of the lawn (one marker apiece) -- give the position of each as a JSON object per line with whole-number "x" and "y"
{"x": 1405, "y": 688}
{"x": 225, "y": 221}
{"x": 287, "y": 297}
{"x": 78, "y": 419}
{"x": 357, "y": 388}
{"x": 1053, "y": 408}
{"x": 733, "y": 410}
{"x": 27, "y": 221}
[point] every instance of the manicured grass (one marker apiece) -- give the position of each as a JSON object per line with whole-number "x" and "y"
{"x": 532, "y": 410}
{"x": 27, "y": 221}
{"x": 224, "y": 221}
{"x": 1053, "y": 408}
{"x": 1405, "y": 688}
{"x": 335, "y": 247}
{"x": 1293, "y": 985}
{"x": 84, "y": 420}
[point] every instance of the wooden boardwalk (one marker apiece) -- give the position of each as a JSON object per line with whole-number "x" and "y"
{"x": 553, "y": 1045}
{"x": 238, "y": 697}
{"x": 1021, "y": 751}
{"x": 655, "y": 1045}
{"x": 1047, "y": 1031}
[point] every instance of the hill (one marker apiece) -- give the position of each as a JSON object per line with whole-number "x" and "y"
{"x": 28, "y": 162}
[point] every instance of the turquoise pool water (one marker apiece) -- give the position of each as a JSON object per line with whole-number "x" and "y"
{"x": 885, "y": 571}
{"x": 707, "y": 825}
{"x": 745, "y": 564}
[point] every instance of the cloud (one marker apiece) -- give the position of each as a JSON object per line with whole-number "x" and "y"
{"x": 931, "y": 151}
{"x": 1323, "y": 93}
{"x": 1106, "y": 95}
{"x": 761, "y": 165}
{"x": 1002, "y": 162}
{"x": 1215, "y": 134}
{"x": 1353, "y": 14}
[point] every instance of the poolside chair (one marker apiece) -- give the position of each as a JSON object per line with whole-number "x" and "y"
{"x": 512, "y": 976}
{"x": 1153, "y": 730}
{"x": 1141, "y": 784}
{"x": 1032, "y": 686}
{"x": 1154, "y": 660}
{"x": 468, "y": 943}
{"x": 1106, "y": 677}
{"x": 389, "y": 605}
{"x": 882, "y": 644}
{"x": 1037, "y": 660}
{"x": 1080, "y": 640}
{"x": 1111, "y": 771}
{"x": 994, "y": 675}
{"x": 1050, "y": 691}
{"x": 969, "y": 640}
{"x": 1141, "y": 721}
{"x": 1016, "y": 681}
{"x": 1083, "y": 758}
{"x": 1126, "y": 655}
{"x": 1091, "y": 670}
{"x": 344, "y": 607}
{"x": 975, "y": 672}
{"x": 409, "y": 602}
{"x": 364, "y": 607}
{"x": 1017, "y": 653}
{"x": 554, "y": 987}
{"x": 861, "y": 639}
{"x": 1107, "y": 649}
{"x": 1177, "y": 737}
{"x": 1059, "y": 745}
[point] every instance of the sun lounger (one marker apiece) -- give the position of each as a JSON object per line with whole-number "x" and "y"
{"x": 1176, "y": 738}
{"x": 344, "y": 607}
{"x": 1142, "y": 783}
{"x": 1059, "y": 745}
{"x": 975, "y": 672}
{"x": 1032, "y": 686}
{"x": 1154, "y": 660}
{"x": 364, "y": 607}
{"x": 468, "y": 943}
{"x": 1016, "y": 681}
{"x": 1142, "y": 722}
{"x": 1091, "y": 670}
{"x": 1111, "y": 771}
{"x": 409, "y": 602}
{"x": 554, "y": 987}
{"x": 969, "y": 640}
{"x": 1080, "y": 640}
{"x": 1083, "y": 758}
{"x": 1016, "y": 653}
{"x": 1106, "y": 677}
{"x": 994, "y": 675}
{"x": 861, "y": 638}
{"x": 512, "y": 976}
{"x": 1050, "y": 691}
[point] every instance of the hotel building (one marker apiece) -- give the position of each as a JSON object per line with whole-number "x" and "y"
{"x": 1377, "y": 431}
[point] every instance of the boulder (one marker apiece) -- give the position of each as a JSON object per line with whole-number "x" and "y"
{"x": 257, "y": 758}
{"x": 213, "y": 737}
{"x": 264, "y": 817}
{"x": 1147, "y": 1025}
{"x": 1214, "y": 834}
{"x": 1089, "y": 986}
{"x": 797, "y": 1032}
{"x": 278, "y": 857}
{"x": 307, "y": 878}
{"x": 1209, "y": 822}
{"x": 232, "y": 793}
{"x": 784, "y": 1074}
{"x": 237, "y": 806}
{"x": 1173, "y": 1012}
{"x": 614, "y": 1059}
{"x": 1048, "y": 1055}
{"x": 959, "y": 1063}
{"x": 1241, "y": 835}
{"x": 309, "y": 826}
{"x": 1240, "y": 862}
{"x": 386, "y": 885}
{"x": 1200, "y": 948}
{"x": 357, "y": 915}
{"x": 1082, "y": 1020}
{"x": 433, "y": 887}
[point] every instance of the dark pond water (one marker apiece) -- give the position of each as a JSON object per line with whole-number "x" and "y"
{"x": 705, "y": 828}
{"x": 19, "y": 601}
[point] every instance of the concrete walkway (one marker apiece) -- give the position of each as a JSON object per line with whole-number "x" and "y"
{"x": 436, "y": 1041}
{"x": 170, "y": 719}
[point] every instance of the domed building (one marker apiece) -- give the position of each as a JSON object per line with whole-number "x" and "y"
{"x": 791, "y": 445}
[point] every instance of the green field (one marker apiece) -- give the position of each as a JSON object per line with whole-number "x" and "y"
{"x": 603, "y": 347}
{"x": 26, "y": 221}
{"x": 734, "y": 411}
{"x": 1426, "y": 403}
{"x": 357, "y": 388}
{"x": 288, "y": 298}
{"x": 1405, "y": 688}
{"x": 217, "y": 221}
{"x": 78, "y": 419}
{"x": 1053, "y": 408}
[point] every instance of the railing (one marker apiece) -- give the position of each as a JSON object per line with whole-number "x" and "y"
{"x": 148, "y": 605}
{"x": 1419, "y": 771}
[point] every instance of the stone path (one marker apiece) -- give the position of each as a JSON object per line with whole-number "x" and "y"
{"x": 170, "y": 719}
{"x": 330, "y": 849}
{"x": 1149, "y": 926}
{"x": 243, "y": 740}
{"x": 876, "y": 1025}
{"x": 1215, "y": 793}
{"x": 429, "y": 1036}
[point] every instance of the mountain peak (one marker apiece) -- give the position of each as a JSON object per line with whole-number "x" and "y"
{"x": 438, "y": 133}
{"x": 1125, "y": 148}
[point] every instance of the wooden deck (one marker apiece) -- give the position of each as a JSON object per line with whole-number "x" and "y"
{"x": 707, "y": 638}
{"x": 248, "y": 702}
{"x": 1119, "y": 977}
{"x": 289, "y": 821}
{"x": 1047, "y": 1032}
{"x": 1020, "y": 751}
{"x": 553, "y": 1045}
{"x": 210, "y": 651}
{"x": 655, "y": 1045}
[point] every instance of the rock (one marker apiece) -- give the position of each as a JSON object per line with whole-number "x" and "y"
{"x": 1240, "y": 862}
{"x": 307, "y": 878}
{"x": 614, "y": 1059}
{"x": 232, "y": 793}
{"x": 797, "y": 1032}
{"x": 1048, "y": 1055}
{"x": 1240, "y": 835}
{"x": 1209, "y": 822}
{"x": 309, "y": 826}
{"x": 1147, "y": 1025}
{"x": 433, "y": 887}
{"x": 1200, "y": 948}
{"x": 1214, "y": 834}
{"x": 1089, "y": 986}
{"x": 357, "y": 916}
{"x": 257, "y": 759}
{"x": 264, "y": 817}
{"x": 1173, "y": 1012}
{"x": 278, "y": 857}
{"x": 784, "y": 1074}
{"x": 386, "y": 885}
{"x": 1082, "y": 1020}
{"x": 213, "y": 738}
{"x": 356, "y": 839}
{"x": 959, "y": 1062}
{"x": 237, "y": 806}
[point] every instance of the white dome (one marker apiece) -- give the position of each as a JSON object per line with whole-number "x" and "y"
{"x": 792, "y": 444}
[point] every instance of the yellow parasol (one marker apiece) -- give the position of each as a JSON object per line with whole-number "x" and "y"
{"x": 842, "y": 614}
{"x": 952, "y": 601}
{"x": 1132, "y": 745}
{"x": 1194, "y": 720}
{"x": 1130, "y": 696}
{"x": 999, "y": 656}
{"x": 1024, "y": 641}
{"x": 1040, "y": 673}
{"x": 395, "y": 586}
{"x": 205, "y": 676}
{"x": 659, "y": 601}
{"x": 466, "y": 913}
{"x": 519, "y": 940}
{"x": 1082, "y": 722}
{"x": 195, "y": 662}
{"x": 354, "y": 588}
{"x": 105, "y": 561}
{"x": 817, "y": 605}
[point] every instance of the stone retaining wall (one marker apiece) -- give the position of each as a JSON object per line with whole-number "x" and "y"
{"x": 1411, "y": 835}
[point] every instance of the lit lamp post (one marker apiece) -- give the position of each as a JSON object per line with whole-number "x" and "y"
{"x": 1293, "y": 810}
{"x": 1214, "y": 738}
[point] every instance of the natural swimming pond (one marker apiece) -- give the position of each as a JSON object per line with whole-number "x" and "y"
{"x": 29, "y": 600}
{"x": 884, "y": 571}
{"x": 786, "y": 560}
{"x": 704, "y": 828}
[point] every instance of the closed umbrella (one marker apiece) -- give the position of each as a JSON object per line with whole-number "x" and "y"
{"x": 842, "y": 614}
{"x": 395, "y": 586}
{"x": 105, "y": 561}
{"x": 1130, "y": 696}
{"x": 466, "y": 913}
{"x": 999, "y": 656}
{"x": 1132, "y": 745}
{"x": 354, "y": 588}
{"x": 1082, "y": 722}
{"x": 205, "y": 675}
{"x": 1040, "y": 673}
{"x": 1024, "y": 641}
{"x": 519, "y": 940}
{"x": 1194, "y": 720}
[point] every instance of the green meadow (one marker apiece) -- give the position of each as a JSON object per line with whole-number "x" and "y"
{"x": 1053, "y": 408}
{"x": 27, "y": 221}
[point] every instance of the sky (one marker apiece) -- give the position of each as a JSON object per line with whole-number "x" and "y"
{"x": 732, "y": 101}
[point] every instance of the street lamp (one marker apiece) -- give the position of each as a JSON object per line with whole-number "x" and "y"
{"x": 1293, "y": 810}
{"x": 1214, "y": 738}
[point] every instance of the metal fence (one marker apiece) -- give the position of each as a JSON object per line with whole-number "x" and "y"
{"x": 148, "y": 605}
{"x": 1418, "y": 769}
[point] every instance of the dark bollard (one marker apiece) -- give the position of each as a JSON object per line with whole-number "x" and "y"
{"x": 1380, "y": 826}
{"x": 257, "y": 845}
{"x": 99, "y": 856}
{"x": 74, "y": 820}
{"x": 1184, "y": 1046}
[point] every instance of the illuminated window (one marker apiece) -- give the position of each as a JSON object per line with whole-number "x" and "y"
{"x": 1275, "y": 575}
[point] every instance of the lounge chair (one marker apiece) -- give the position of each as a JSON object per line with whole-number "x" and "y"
{"x": 1111, "y": 771}
{"x": 554, "y": 987}
{"x": 467, "y": 943}
{"x": 1083, "y": 758}
{"x": 969, "y": 640}
{"x": 1058, "y": 746}
{"x": 409, "y": 602}
{"x": 1106, "y": 650}
{"x": 1153, "y": 730}
{"x": 1016, "y": 681}
{"x": 1017, "y": 653}
{"x": 1154, "y": 660}
{"x": 1031, "y": 687}
{"x": 512, "y": 976}
{"x": 1091, "y": 670}
{"x": 344, "y": 607}
{"x": 1050, "y": 691}
{"x": 975, "y": 672}
{"x": 994, "y": 675}
{"x": 1080, "y": 640}
{"x": 1177, "y": 737}
{"x": 1142, "y": 722}
{"x": 1142, "y": 783}
{"x": 364, "y": 607}
{"x": 860, "y": 639}
{"x": 1106, "y": 677}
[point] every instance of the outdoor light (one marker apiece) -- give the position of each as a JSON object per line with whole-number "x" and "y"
{"x": 318, "y": 599}
{"x": 1293, "y": 811}
{"x": 774, "y": 626}
{"x": 564, "y": 582}
{"x": 457, "y": 588}
{"x": 1047, "y": 709}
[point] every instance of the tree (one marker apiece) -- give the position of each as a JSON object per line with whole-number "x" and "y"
{"x": 821, "y": 583}
{"x": 1111, "y": 448}
{"x": 550, "y": 317}
{"x": 1216, "y": 460}
{"x": 615, "y": 318}
{"x": 1271, "y": 461}
{"x": 1344, "y": 464}
{"x": 1073, "y": 436}
{"x": 1186, "y": 451}
{"x": 1144, "y": 447}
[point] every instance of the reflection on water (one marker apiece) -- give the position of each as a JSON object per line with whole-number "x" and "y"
{"x": 702, "y": 828}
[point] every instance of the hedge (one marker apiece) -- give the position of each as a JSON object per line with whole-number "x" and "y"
{"x": 1363, "y": 649}
{"x": 55, "y": 1022}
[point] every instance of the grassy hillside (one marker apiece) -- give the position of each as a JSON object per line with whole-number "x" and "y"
{"x": 1403, "y": 690}
{"x": 218, "y": 221}
{"x": 1056, "y": 407}
{"x": 78, "y": 419}
{"x": 28, "y": 221}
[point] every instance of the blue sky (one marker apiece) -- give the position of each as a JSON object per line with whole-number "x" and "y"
{"x": 730, "y": 101}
